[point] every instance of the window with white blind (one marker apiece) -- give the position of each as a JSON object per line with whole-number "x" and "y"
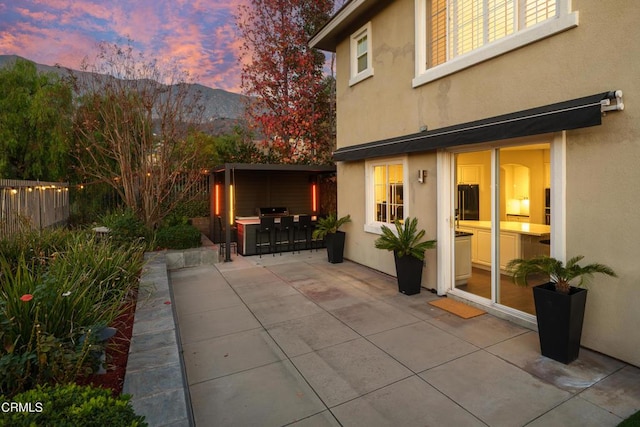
{"x": 361, "y": 67}
{"x": 454, "y": 34}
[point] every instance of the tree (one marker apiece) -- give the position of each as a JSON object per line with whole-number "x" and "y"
{"x": 35, "y": 123}
{"x": 285, "y": 77}
{"x": 238, "y": 147}
{"x": 136, "y": 130}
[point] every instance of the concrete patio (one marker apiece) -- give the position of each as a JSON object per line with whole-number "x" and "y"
{"x": 294, "y": 340}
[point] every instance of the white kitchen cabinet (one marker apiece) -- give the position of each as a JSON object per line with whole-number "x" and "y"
{"x": 517, "y": 240}
{"x": 474, "y": 242}
{"x": 510, "y": 247}
{"x": 469, "y": 174}
{"x": 484, "y": 247}
{"x": 463, "y": 259}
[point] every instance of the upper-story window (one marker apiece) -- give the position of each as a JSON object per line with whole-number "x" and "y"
{"x": 455, "y": 34}
{"x": 361, "y": 66}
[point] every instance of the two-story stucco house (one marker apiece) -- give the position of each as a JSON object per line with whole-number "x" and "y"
{"x": 509, "y": 128}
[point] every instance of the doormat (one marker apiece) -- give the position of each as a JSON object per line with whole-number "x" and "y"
{"x": 456, "y": 307}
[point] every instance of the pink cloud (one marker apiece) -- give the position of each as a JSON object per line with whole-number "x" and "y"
{"x": 42, "y": 16}
{"x": 198, "y": 35}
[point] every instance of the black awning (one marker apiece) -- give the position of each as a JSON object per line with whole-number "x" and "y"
{"x": 574, "y": 114}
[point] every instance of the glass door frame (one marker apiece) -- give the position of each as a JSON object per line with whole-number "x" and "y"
{"x": 446, "y": 220}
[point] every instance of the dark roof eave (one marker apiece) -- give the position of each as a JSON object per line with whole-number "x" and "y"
{"x": 329, "y": 35}
{"x": 274, "y": 167}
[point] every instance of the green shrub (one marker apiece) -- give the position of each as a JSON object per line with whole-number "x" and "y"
{"x": 125, "y": 227}
{"x": 174, "y": 219}
{"x": 72, "y": 405}
{"x": 52, "y": 307}
{"x": 192, "y": 208}
{"x": 35, "y": 245}
{"x": 632, "y": 421}
{"x": 182, "y": 236}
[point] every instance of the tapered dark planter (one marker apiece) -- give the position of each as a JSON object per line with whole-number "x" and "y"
{"x": 560, "y": 319}
{"x": 409, "y": 273}
{"x": 335, "y": 246}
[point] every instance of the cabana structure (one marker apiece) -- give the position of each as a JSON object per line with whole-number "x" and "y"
{"x": 241, "y": 193}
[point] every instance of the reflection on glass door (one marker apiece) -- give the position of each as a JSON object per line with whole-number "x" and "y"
{"x": 512, "y": 220}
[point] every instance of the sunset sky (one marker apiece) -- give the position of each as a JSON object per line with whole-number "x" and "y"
{"x": 199, "y": 34}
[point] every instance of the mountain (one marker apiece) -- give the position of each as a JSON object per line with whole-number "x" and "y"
{"x": 223, "y": 109}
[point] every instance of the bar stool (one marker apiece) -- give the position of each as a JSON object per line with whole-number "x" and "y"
{"x": 286, "y": 226}
{"x": 267, "y": 226}
{"x": 303, "y": 227}
{"x": 233, "y": 244}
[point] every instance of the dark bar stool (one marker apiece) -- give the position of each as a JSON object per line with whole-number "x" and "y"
{"x": 303, "y": 229}
{"x": 285, "y": 227}
{"x": 267, "y": 226}
{"x": 233, "y": 244}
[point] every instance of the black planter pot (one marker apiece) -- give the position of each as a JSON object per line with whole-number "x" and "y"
{"x": 560, "y": 320}
{"x": 409, "y": 273}
{"x": 335, "y": 246}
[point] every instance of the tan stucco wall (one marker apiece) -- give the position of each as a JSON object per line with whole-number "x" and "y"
{"x": 602, "y": 53}
{"x": 359, "y": 246}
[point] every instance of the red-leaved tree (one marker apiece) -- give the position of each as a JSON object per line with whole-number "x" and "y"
{"x": 284, "y": 77}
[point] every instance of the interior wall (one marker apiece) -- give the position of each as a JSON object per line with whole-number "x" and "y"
{"x": 533, "y": 159}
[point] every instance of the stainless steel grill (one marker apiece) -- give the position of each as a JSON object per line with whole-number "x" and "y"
{"x": 275, "y": 212}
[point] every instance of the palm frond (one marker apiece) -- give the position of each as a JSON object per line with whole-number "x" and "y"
{"x": 406, "y": 239}
{"x": 330, "y": 224}
{"x": 560, "y": 274}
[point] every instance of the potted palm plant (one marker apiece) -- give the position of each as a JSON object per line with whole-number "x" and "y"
{"x": 408, "y": 253}
{"x": 328, "y": 229}
{"x": 559, "y": 304}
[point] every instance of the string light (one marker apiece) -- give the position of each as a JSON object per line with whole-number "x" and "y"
{"x": 314, "y": 197}
{"x": 231, "y": 217}
{"x": 217, "y": 209}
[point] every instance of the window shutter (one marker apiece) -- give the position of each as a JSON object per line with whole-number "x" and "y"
{"x": 437, "y": 45}
{"x": 455, "y": 27}
{"x": 501, "y": 19}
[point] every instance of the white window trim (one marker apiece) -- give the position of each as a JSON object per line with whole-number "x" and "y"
{"x": 371, "y": 225}
{"x": 368, "y": 72}
{"x": 566, "y": 20}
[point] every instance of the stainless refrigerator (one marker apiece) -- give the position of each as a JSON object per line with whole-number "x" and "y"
{"x": 468, "y": 202}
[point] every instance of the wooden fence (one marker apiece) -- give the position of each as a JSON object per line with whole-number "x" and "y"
{"x": 32, "y": 204}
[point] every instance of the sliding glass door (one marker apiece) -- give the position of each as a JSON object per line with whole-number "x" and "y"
{"x": 509, "y": 219}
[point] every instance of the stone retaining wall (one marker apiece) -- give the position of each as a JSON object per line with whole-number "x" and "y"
{"x": 155, "y": 375}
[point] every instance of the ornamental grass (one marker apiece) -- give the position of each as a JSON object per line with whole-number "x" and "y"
{"x": 58, "y": 290}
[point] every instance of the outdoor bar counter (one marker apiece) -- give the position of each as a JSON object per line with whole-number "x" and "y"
{"x": 247, "y": 244}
